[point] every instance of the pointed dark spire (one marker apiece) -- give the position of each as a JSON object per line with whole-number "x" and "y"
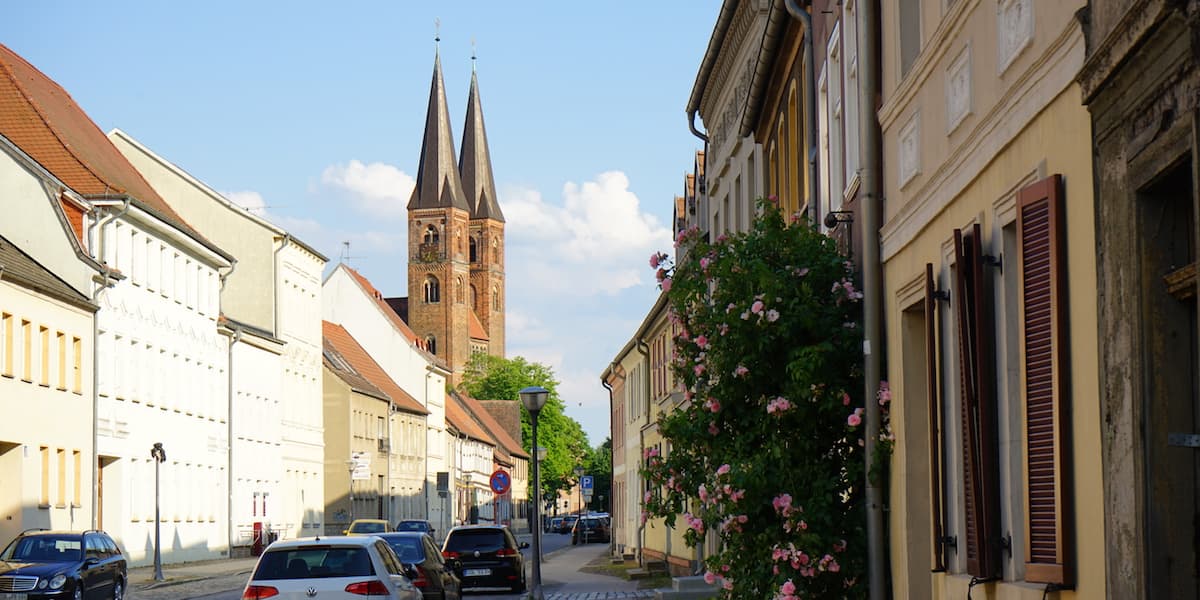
{"x": 438, "y": 184}
{"x": 475, "y": 165}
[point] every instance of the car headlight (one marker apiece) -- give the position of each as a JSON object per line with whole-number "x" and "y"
{"x": 57, "y": 581}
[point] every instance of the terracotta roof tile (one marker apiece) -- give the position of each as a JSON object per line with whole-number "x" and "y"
{"x": 493, "y": 426}
{"x": 364, "y": 365}
{"x": 42, "y": 119}
{"x": 460, "y": 419}
{"x": 475, "y": 327}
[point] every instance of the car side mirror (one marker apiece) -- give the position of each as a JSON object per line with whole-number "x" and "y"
{"x": 90, "y": 561}
{"x": 523, "y": 545}
{"x": 345, "y": 532}
{"x": 410, "y": 571}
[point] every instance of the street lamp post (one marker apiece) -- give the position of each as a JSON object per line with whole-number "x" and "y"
{"x": 350, "y": 466}
{"x": 159, "y": 455}
{"x": 534, "y": 398}
{"x": 539, "y": 456}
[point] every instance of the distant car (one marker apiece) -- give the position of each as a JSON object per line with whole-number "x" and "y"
{"x": 49, "y": 565}
{"x": 590, "y": 529}
{"x": 488, "y": 556}
{"x": 553, "y": 524}
{"x": 331, "y": 568}
{"x": 422, "y": 560}
{"x": 367, "y": 527}
{"x": 567, "y": 523}
{"x": 415, "y": 525}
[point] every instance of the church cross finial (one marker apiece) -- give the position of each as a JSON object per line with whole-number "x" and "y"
{"x": 437, "y": 31}
{"x": 473, "y": 53}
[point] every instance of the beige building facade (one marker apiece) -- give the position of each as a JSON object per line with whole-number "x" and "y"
{"x": 987, "y": 244}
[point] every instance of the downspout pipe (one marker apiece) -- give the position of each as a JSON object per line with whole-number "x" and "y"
{"x": 287, "y": 239}
{"x": 868, "y": 63}
{"x": 810, "y": 103}
{"x": 97, "y": 230}
{"x": 612, "y": 444}
{"x": 229, "y": 477}
{"x": 643, "y": 349}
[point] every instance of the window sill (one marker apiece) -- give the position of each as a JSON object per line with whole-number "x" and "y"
{"x": 44, "y": 505}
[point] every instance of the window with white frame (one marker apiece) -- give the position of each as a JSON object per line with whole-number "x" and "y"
{"x": 850, "y": 82}
{"x": 837, "y": 132}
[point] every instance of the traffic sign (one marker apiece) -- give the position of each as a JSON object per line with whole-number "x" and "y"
{"x": 500, "y": 481}
{"x": 586, "y": 483}
{"x": 361, "y": 469}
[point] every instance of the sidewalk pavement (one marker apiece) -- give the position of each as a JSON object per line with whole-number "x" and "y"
{"x": 563, "y": 580}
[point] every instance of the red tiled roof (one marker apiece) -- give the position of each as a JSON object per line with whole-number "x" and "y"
{"x": 42, "y": 119}
{"x": 493, "y": 426}
{"x": 475, "y": 327}
{"x": 460, "y": 419}
{"x": 360, "y": 361}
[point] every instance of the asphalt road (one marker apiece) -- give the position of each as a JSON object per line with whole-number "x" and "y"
{"x": 550, "y": 543}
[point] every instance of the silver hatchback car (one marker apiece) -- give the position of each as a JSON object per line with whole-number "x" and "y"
{"x": 330, "y": 568}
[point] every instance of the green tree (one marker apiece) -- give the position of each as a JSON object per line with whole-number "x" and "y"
{"x": 497, "y": 378}
{"x": 766, "y": 450}
{"x": 599, "y": 465}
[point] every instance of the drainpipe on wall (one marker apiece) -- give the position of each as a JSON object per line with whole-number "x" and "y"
{"x": 233, "y": 341}
{"x": 868, "y": 63}
{"x": 810, "y": 102}
{"x": 612, "y": 480}
{"x": 287, "y": 239}
{"x": 644, "y": 350}
{"x": 97, "y": 230}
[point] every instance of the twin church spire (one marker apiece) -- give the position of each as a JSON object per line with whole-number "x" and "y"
{"x": 456, "y": 294}
{"x": 442, "y": 181}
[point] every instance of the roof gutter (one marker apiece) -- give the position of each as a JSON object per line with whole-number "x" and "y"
{"x": 724, "y": 19}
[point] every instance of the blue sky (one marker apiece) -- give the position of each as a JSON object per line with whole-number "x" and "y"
{"x": 311, "y": 113}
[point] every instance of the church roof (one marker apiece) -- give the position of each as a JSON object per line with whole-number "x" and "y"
{"x": 361, "y": 363}
{"x": 477, "y": 330}
{"x": 438, "y": 184}
{"x": 475, "y": 163}
{"x": 41, "y": 118}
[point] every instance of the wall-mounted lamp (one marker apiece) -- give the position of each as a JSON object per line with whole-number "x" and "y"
{"x": 833, "y": 217}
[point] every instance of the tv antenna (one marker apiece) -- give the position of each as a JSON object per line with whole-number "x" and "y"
{"x": 345, "y": 255}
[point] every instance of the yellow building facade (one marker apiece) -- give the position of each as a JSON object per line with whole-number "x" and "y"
{"x": 988, "y": 251}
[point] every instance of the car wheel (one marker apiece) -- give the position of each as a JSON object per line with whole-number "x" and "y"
{"x": 118, "y": 590}
{"x": 78, "y": 595}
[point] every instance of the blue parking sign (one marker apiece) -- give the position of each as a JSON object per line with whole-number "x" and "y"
{"x": 585, "y": 482}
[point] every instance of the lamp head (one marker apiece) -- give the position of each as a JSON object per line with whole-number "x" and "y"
{"x": 831, "y": 220}
{"x": 534, "y": 398}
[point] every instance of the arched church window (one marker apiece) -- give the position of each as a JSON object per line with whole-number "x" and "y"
{"x": 459, "y": 291}
{"x": 496, "y": 251}
{"x": 432, "y": 293}
{"x": 474, "y": 257}
{"x": 496, "y": 299}
{"x": 431, "y": 345}
{"x": 474, "y": 298}
{"x": 431, "y": 235}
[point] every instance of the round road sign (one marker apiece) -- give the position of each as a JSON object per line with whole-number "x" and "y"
{"x": 500, "y": 481}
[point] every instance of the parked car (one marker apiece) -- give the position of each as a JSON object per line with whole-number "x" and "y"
{"x": 552, "y": 524}
{"x": 488, "y": 556}
{"x": 590, "y": 529}
{"x": 48, "y": 565}
{"x": 367, "y": 527}
{"x": 335, "y": 568}
{"x": 415, "y": 525}
{"x": 566, "y": 524}
{"x": 423, "y": 562}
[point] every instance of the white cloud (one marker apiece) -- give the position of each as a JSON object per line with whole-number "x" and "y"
{"x": 251, "y": 201}
{"x": 377, "y": 189}
{"x": 596, "y": 242}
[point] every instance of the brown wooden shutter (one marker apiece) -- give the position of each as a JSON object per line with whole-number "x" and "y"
{"x": 981, "y": 502}
{"x": 932, "y": 382}
{"x": 1044, "y": 368}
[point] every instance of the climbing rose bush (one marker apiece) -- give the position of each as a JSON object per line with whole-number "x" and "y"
{"x": 765, "y": 452}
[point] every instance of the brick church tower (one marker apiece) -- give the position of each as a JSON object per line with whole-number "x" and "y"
{"x": 455, "y": 239}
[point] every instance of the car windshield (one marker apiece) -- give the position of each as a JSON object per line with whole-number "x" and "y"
{"x": 368, "y": 527}
{"x": 408, "y": 548}
{"x": 471, "y": 540}
{"x": 314, "y": 562}
{"x": 589, "y": 523}
{"x": 412, "y": 526}
{"x": 43, "y": 548}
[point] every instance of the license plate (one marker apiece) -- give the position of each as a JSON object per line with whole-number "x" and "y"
{"x": 12, "y": 596}
{"x": 467, "y": 573}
